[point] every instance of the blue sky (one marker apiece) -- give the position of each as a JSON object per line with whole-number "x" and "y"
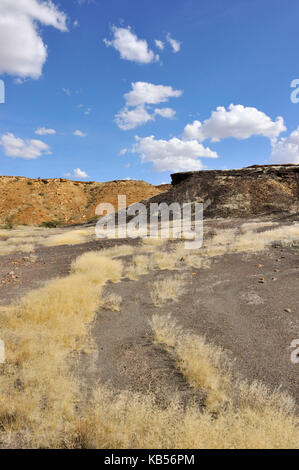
{"x": 215, "y": 54}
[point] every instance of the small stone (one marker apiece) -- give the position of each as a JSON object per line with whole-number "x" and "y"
{"x": 274, "y": 278}
{"x": 259, "y": 265}
{"x": 276, "y": 270}
{"x": 288, "y": 310}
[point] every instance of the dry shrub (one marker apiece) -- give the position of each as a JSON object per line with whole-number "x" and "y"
{"x": 131, "y": 272}
{"x": 74, "y": 237}
{"x": 163, "y": 260}
{"x": 142, "y": 264}
{"x": 138, "y": 267}
{"x": 167, "y": 289}
{"x": 97, "y": 268}
{"x": 111, "y": 302}
{"x": 197, "y": 262}
{"x": 205, "y": 366}
{"x": 191, "y": 258}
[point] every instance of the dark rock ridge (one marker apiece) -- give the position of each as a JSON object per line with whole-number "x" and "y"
{"x": 252, "y": 191}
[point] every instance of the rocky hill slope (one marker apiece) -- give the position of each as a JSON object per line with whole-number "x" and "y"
{"x": 251, "y": 191}
{"x": 35, "y": 201}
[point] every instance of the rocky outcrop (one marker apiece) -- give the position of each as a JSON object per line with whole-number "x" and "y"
{"x": 251, "y": 191}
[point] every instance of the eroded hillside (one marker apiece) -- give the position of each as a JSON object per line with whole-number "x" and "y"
{"x": 34, "y": 201}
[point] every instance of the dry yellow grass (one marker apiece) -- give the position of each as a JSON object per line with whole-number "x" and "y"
{"x": 128, "y": 420}
{"x": 26, "y": 239}
{"x": 204, "y": 365}
{"x": 7, "y": 249}
{"x": 142, "y": 264}
{"x": 229, "y": 241}
{"x": 118, "y": 251}
{"x": 164, "y": 290}
{"x": 74, "y": 237}
{"x": 21, "y": 232}
{"x": 138, "y": 267}
{"x": 38, "y": 395}
{"x": 163, "y": 260}
{"x": 249, "y": 416}
{"x": 251, "y": 241}
{"x": 224, "y": 242}
{"x": 254, "y": 225}
{"x": 97, "y": 268}
{"x": 111, "y": 302}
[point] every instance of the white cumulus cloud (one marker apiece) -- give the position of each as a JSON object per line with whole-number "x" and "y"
{"x": 127, "y": 119}
{"x": 79, "y": 133}
{"x": 167, "y": 113}
{"x": 77, "y": 173}
{"x": 286, "y": 150}
{"x": 237, "y": 121}
{"x": 172, "y": 155}
{"x": 45, "y": 131}
{"x": 138, "y": 101}
{"x": 148, "y": 93}
{"x": 22, "y": 50}
{"x": 18, "y": 148}
{"x": 130, "y": 46}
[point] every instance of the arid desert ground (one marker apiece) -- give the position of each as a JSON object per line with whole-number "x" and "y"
{"x": 144, "y": 344}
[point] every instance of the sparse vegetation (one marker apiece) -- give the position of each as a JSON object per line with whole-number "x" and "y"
{"x": 74, "y": 237}
{"x": 42, "y": 403}
{"x": 111, "y": 302}
{"x": 164, "y": 290}
{"x": 40, "y": 331}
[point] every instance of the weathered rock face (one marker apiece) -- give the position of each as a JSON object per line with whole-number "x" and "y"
{"x": 252, "y": 191}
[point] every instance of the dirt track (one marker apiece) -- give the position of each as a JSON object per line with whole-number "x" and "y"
{"x": 227, "y": 303}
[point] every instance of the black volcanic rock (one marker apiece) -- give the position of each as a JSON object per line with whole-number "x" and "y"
{"x": 252, "y": 191}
